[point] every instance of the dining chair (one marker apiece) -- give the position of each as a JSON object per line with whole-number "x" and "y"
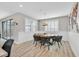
{"x": 36, "y": 39}
{"x": 58, "y": 39}
{"x": 7, "y": 46}
{"x": 53, "y": 39}
{"x": 45, "y": 40}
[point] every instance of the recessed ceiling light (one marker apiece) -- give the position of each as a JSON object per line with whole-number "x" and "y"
{"x": 20, "y": 5}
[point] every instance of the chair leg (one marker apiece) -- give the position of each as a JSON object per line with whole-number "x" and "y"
{"x": 48, "y": 47}
{"x": 58, "y": 44}
{"x": 33, "y": 42}
{"x": 36, "y": 44}
{"x": 40, "y": 45}
{"x": 50, "y": 43}
{"x": 54, "y": 42}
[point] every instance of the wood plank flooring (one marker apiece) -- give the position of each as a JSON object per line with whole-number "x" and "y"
{"x": 28, "y": 49}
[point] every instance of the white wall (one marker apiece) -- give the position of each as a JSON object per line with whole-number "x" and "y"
{"x": 24, "y": 36}
{"x": 74, "y": 42}
{"x": 63, "y": 23}
{"x": 65, "y": 35}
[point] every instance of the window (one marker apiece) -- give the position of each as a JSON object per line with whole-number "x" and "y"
{"x": 27, "y": 28}
{"x": 34, "y": 26}
{"x": 27, "y": 25}
{"x": 7, "y": 29}
{"x": 30, "y": 25}
{"x": 52, "y": 25}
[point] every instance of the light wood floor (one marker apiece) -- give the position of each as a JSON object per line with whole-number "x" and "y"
{"x": 28, "y": 49}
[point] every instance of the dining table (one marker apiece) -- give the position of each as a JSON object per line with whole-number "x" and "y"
{"x": 48, "y": 39}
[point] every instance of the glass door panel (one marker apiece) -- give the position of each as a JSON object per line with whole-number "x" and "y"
{"x": 6, "y": 29}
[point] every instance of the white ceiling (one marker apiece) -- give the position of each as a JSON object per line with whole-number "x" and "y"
{"x": 37, "y": 10}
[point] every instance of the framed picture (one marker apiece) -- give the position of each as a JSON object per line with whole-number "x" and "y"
{"x": 73, "y": 18}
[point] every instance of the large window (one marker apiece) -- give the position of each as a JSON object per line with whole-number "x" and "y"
{"x": 30, "y": 25}
{"x": 34, "y": 26}
{"x": 6, "y": 29}
{"x": 52, "y": 25}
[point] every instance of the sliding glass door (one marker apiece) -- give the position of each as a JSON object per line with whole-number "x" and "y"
{"x": 6, "y": 29}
